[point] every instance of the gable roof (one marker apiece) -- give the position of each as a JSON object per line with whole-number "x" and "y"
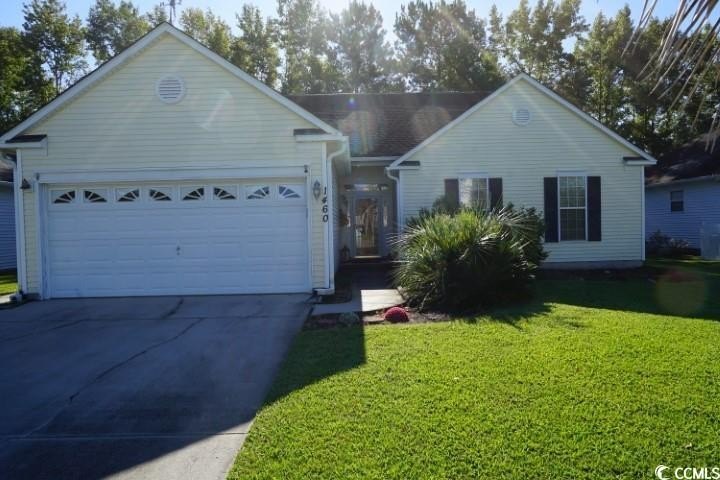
{"x": 388, "y": 124}
{"x": 546, "y": 91}
{"x": 111, "y": 65}
{"x": 697, "y": 158}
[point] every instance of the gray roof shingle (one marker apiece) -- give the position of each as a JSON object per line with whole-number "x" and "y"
{"x": 387, "y": 124}
{"x": 695, "y": 159}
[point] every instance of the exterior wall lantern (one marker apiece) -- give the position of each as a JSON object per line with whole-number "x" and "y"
{"x": 317, "y": 189}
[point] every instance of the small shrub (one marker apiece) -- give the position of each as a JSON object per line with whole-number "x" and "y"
{"x": 396, "y": 315}
{"x": 662, "y": 245}
{"x": 470, "y": 259}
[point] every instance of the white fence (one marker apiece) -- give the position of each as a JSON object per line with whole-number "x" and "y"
{"x": 710, "y": 241}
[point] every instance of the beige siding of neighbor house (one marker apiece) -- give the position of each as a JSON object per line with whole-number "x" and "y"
{"x": 222, "y": 122}
{"x": 488, "y": 142}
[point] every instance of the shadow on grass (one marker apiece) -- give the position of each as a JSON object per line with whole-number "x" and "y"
{"x": 319, "y": 354}
{"x": 674, "y": 291}
{"x": 316, "y": 355}
{"x": 511, "y": 314}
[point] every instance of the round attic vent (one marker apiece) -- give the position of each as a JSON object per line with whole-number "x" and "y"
{"x": 521, "y": 116}
{"x": 170, "y": 89}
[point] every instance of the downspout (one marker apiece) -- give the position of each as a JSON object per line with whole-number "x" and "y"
{"x": 329, "y": 225}
{"x": 398, "y": 197}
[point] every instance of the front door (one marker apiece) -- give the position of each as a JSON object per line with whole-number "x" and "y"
{"x": 367, "y": 228}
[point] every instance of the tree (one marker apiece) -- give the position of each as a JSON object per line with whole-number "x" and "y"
{"x": 443, "y": 46}
{"x": 56, "y": 38}
{"x": 157, "y": 15}
{"x": 111, "y": 29}
{"x": 208, "y": 29}
{"x": 24, "y": 87}
{"x": 363, "y": 56}
{"x": 656, "y": 121}
{"x": 255, "y": 51}
{"x": 531, "y": 40}
{"x": 309, "y": 65}
{"x": 691, "y": 39}
{"x": 600, "y": 53}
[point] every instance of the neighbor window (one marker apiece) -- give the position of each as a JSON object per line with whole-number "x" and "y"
{"x": 474, "y": 192}
{"x": 677, "y": 202}
{"x": 573, "y": 207}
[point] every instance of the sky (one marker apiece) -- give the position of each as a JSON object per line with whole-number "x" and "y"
{"x": 11, "y": 10}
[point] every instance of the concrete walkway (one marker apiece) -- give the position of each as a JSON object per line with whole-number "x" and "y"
{"x": 371, "y": 292}
{"x": 364, "y": 300}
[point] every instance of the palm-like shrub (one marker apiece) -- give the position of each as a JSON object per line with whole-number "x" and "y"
{"x": 469, "y": 259}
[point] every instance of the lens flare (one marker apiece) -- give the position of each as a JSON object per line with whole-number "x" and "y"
{"x": 681, "y": 293}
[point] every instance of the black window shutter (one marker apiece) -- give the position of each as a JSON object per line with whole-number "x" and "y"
{"x": 496, "y": 193}
{"x": 594, "y": 214}
{"x": 551, "y": 209}
{"x": 452, "y": 191}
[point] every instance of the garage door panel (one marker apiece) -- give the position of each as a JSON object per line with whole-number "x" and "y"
{"x": 206, "y": 246}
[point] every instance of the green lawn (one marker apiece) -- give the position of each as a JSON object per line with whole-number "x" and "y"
{"x": 594, "y": 379}
{"x": 8, "y": 282}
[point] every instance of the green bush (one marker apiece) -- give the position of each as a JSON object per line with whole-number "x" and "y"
{"x": 469, "y": 259}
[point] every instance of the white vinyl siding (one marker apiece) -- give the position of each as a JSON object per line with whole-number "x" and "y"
{"x": 222, "y": 122}
{"x": 701, "y": 204}
{"x": 7, "y": 228}
{"x": 555, "y": 140}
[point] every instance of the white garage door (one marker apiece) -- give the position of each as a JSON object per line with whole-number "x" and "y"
{"x": 177, "y": 238}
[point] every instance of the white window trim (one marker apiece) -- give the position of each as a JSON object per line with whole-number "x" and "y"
{"x": 682, "y": 193}
{"x": 476, "y": 176}
{"x": 559, "y": 221}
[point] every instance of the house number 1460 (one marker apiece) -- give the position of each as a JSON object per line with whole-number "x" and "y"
{"x": 325, "y": 216}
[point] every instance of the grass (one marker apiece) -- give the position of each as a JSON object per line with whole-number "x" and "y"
{"x": 8, "y": 282}
{"x": 594, "y": 379}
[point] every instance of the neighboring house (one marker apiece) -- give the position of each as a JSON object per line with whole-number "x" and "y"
{"x": 682, "y": 192}
{"x": 7, "y": 219}
{"x": 170, "y": 171}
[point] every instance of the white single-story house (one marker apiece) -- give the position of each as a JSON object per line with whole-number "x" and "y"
{"x": 682, "y": 194}
{"x": 8, "y": 259}
{"x": 168, "y": 170}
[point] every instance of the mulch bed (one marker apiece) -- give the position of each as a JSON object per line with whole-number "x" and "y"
{"x": 320, "y": 322}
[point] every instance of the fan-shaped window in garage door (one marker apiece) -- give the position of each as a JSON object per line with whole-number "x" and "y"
{"x": 225, "y": 193}
{"x": 127, "y": 194}
{"x": 62, "y": 196}
{"x": 160, "y": 194}
{"x": 290, "y": 191}
{"x": 192, "y": 193}
{"x": 95, "y": 196}
{"x": 257, "y": 192}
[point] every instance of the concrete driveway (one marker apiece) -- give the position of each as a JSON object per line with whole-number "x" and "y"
{"x": 137, "y": 388}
